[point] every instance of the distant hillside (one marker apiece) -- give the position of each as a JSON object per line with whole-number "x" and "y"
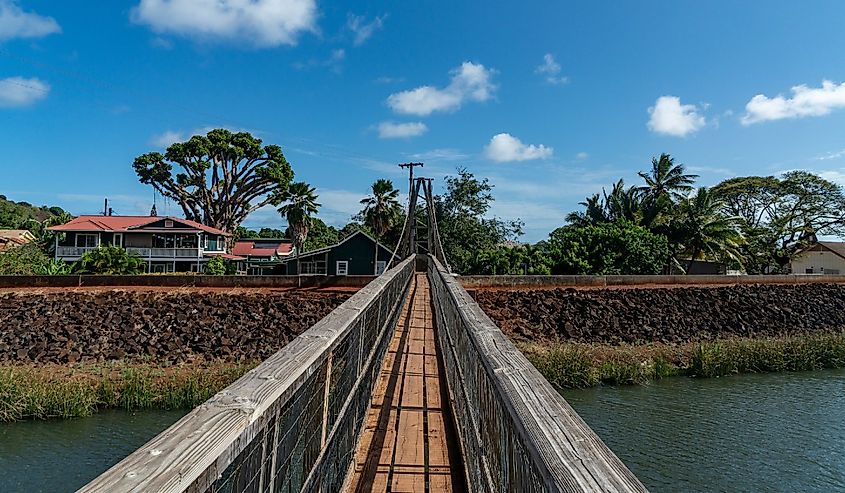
{"x": 16, "y": 215}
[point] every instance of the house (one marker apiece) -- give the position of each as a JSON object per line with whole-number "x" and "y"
{"x": 11, "y": 238}
{"x": 263, "y": 255}
{"x": 359, "y": 254}
{"x": 825, "y": 257}
{"x": 167, "y": 244}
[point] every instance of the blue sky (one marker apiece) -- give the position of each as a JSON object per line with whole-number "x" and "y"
{"x": 550, "y": 100}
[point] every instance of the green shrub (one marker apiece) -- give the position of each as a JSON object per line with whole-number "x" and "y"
{"x": 110, "y": 260}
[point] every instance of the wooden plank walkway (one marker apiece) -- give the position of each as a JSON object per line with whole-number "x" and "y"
{"x": 408, "y": 442}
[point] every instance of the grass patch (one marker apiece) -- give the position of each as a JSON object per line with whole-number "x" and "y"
{"x": 57, "y": 391}
{"x": 576, "y": 365}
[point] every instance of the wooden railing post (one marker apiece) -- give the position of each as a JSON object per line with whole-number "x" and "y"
{"x": 326, "y": 392}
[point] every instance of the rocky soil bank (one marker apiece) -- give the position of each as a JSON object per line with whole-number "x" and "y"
{"x": 668, "y": 315}
{"x": 153, "y": 326}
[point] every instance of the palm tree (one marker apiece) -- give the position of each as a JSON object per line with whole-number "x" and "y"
{"x": 300, "y": 205}
{"x": 666, "y": 179}
{"x": 704, "y": 231}
{"x": 381, "y": 210}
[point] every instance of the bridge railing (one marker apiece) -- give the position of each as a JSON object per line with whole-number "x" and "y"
{"x": 292, "y": 423}
{"x": 517, "y": 432}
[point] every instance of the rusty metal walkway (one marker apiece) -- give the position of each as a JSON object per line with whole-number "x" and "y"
{"x": 409, "y": 442}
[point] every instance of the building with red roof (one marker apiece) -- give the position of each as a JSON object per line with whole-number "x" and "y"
{"x": 264, "y": 255}
{"x": 167, "y": 244}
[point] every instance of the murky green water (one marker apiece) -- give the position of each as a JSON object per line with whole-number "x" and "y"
{"x": 62, "y": 455}
{"x": 751, "y": 433}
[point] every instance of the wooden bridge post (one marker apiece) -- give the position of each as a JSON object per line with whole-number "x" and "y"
{"x": 326, "y": 393}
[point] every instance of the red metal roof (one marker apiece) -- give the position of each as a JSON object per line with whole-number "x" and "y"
{"x": 127, "y": 223}
{"x": 227, "y": 256}
{"x": 247, "y": 247}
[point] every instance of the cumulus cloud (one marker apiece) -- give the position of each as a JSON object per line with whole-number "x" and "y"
{"x": 550, "y": 69}
{"x": 261, "y": 22}
{"x": 805, "y": 101}
{"x": 15, "y": 23}
{"x": 670, "y": 117}
{"x": 470, "y": 82}
{"x": 505, "y": 147}
{"x": 361, "y": 29}
{"x": 166, "y": 138}
{"x": 393, "y": 130}
{"x": 19, "y": 91}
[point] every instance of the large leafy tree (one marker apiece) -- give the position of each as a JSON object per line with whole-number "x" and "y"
{"x": 619, "y": 247}
{"x": 219, "y": 178}
{"x": 320, "y": 235}
{"x": 464, "y": 222}
{"x": 666, "y": 180}
{"x": 300, "y": 205}
{"x": 781, "y": 215}
{"x": 382, "y": 210}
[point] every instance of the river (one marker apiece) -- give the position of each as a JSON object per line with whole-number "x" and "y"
{"x": 62, "y": 455}
{"x": 781, "y": 432}
{"x": 763, "y": 433}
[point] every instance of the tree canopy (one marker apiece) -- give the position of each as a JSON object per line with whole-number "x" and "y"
{"x": 300, "y": 205}
{"x": 219, "y": 178}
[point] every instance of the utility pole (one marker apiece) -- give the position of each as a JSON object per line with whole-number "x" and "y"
{"x": 410, "y": 167}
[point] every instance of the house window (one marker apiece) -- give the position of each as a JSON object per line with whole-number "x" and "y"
{"x": 808, "y": 271}
{"x": 86, "y": 241}
{"x": 313, "y": 267}
{"x": 168, "y": 224}
{"x": 381, "y": 265}
{"x": 342, "y": 267}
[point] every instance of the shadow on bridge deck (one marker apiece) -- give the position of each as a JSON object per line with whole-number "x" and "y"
{"x": 409, "y": 443}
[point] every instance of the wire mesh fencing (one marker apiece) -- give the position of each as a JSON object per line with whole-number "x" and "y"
{"x": 289, "y": 425}
{"x": 517, "y": 432}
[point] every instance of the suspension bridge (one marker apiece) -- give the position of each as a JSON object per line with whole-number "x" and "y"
{"x": 408, "y": 386}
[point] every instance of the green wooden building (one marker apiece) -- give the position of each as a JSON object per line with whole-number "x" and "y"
{"x": 359, "y": 254}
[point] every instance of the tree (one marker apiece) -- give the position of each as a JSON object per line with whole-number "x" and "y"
{"x": 382, "y": 208}
{"x": 320, "y": 235}
{"x": 462, "y": 220}
{"x": 610, "y": 248}
{"x": 110, "y": 260}
{"x": 300, "y": 205}
{"x": 781, "y": 216}
{"x": 25, "y": 260}
{"x": 666, "y": 179}
{"x": 628, "y": 204}
{"x": 224, "y": 176}
{"x": 705, "y": 232}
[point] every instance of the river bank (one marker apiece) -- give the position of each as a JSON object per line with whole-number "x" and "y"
{"x": 579, "y": 365}
{"x": 30, "y": 391}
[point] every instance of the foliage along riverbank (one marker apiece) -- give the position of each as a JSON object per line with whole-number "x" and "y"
{"x": 29, "y": 391}
{"x": 580, "y": 365}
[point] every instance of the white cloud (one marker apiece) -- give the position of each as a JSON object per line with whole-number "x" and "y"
{"x": 166, "y": 138}
{"x": 670, "y": 117}
{"x": 470, "y": 82}
{"x": 805, "y": 101}
{"x": 393, "y": 130}
{"x": 444, "y": 154}
{"x": 15, "y": 23}
{"x": 362, "y": 29}
{"x": 333, "y": 62}
{"x": 551, "y": 70}
{"x": 260, "y": 22}
{"x": 831, "y": 155}
{"x": 19, "y": 91}
{"x": 582, "y": 156}
{"x": 504, "y": 147}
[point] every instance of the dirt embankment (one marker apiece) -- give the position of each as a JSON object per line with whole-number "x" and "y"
{"x": 668, "y": 315}
{"x": 155, "y": 326}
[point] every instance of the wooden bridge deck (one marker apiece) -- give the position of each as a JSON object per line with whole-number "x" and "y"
{"x": 409, "y": 443}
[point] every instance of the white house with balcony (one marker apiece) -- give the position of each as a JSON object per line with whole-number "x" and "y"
{"x": 167, "y": 244}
